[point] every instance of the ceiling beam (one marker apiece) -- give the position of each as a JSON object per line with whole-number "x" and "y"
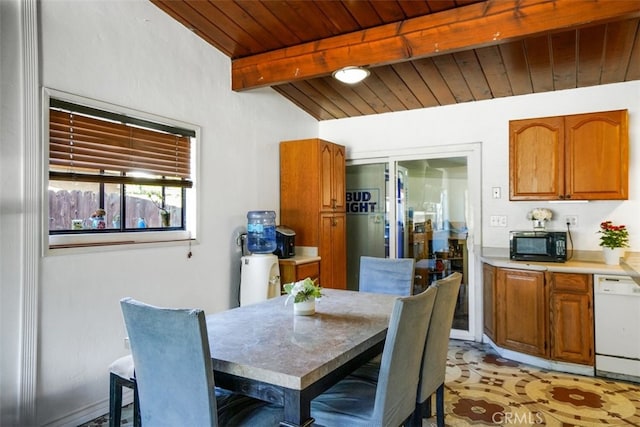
{"x": 477, "y": 25}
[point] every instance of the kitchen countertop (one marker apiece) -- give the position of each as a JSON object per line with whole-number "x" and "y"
{"x": 631, "y": 266}
{"x": 577, "y": 266}
{"x": 299, "y": 259}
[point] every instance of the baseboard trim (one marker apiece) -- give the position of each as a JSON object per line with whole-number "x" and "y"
{"x": 572, "y": 368}
{"x": 89, "y": 412}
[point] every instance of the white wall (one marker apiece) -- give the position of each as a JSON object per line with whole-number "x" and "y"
{"x": 130, "y": 53}
{"x": 487, "y": 122}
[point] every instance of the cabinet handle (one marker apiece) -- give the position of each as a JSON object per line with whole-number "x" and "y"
{"x": 333, "y": 203}
{"x": 568, "y": 196}
{"x": 334, "y": 222}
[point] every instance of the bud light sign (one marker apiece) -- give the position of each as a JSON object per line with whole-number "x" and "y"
{"x": 363, "y": 202}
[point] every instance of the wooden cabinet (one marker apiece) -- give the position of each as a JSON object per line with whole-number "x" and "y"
{"x": 571, "y": 320}
{"x": 488, "y": 300}
{"x": 521, "y": 311}
{"x": 577, "y": 157}
{"x": 293, "y": 271}
{"x": 518, "y": 317}
{"x": 312, "y": 202}
{"x": 333, "y": 250}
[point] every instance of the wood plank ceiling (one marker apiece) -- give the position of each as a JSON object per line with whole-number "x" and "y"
{"x": 421, "y": 53}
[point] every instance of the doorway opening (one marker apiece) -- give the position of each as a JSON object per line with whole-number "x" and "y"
{"x": 419, "y": 206}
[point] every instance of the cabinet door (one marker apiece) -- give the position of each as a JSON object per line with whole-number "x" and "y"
{"x": 488, "y": 300}
{"x": 338, "y": 187}
{"x": 332, "y": 177}
{"x": 536, "y": 159}
{"x": 333, "y": 251}
{"x": 522, "y": 311}
{"x": 597, "y": 154}
{"x": 571, "y": 323}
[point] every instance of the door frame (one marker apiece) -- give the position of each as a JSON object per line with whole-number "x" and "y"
{"x": 473, "y": 153}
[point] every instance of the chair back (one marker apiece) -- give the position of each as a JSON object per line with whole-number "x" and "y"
{"x": 386, "y": 275}
{"x": 434, "y": 363}
{"x": 401, "y": 358}
{"x": 173, "y": 366}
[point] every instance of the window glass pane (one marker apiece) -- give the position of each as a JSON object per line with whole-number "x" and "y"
{"x": 71, "y": 204}
{"x": 149, "y": 206}
{"x": 112, "y": 205}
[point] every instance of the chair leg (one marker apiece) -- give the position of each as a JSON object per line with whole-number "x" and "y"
{"x": 115, "y": 401}
{"x": 440, "y": 405}
{"x": 426, "y": 408}
{"x": 136, "y": 407}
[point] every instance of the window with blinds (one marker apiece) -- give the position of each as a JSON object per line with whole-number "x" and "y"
{"x": 113, "y": 173}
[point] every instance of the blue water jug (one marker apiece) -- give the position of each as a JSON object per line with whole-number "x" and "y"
{"x": 261, "y": 232}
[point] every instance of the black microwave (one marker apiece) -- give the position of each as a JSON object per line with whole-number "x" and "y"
{"x": 549, "y": 246}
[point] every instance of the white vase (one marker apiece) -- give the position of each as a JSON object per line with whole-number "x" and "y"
{"x": 539, "y": 224}
{"x": 305, "y": 308}
{"x": 612, "y": 255}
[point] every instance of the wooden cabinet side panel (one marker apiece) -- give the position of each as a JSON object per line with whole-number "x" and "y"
{"x": 536, "y": 159}
{"x": 597, "y": 147}
{"x": 287, "y": 273}
{"x": 299, "y": 188}
{"x": 488, "y": 300}
{"x": 522, "y": 311}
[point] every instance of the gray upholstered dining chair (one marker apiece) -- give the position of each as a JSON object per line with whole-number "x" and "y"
{"x": 121, "y": 374}
{"x": 391, "y": 400}
{"x": 174, "y": 373}
{"x": 386, "y": 275}
{"x": 434, "y": 363}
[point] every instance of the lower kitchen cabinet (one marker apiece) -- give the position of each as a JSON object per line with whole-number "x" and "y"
{"x": 571, "y": 321}
{"x": 333, "y": 250}
{"x": 292, "y": 270}
{"x": 544, "y": 314}
{"x": 521, "y": 314}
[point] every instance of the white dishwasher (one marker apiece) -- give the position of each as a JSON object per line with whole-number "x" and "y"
{"x": 617, "y": 327}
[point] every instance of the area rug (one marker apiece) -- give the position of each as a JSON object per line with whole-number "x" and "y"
{"x": 483, "y": 389}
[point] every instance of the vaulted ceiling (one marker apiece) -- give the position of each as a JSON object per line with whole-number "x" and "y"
{"x": 421, "y": 53}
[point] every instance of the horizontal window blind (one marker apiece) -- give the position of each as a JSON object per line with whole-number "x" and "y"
{"x": 78, "y": 142}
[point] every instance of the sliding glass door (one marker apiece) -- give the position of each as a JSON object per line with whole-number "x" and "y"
{"x": 417, "y": 206}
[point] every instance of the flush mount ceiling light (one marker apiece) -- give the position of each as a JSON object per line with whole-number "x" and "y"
{"x": 351, "y": 75}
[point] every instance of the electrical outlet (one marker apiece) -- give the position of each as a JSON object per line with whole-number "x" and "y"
{"x": 498, "y": 221}
{"x": 572, "y": 220}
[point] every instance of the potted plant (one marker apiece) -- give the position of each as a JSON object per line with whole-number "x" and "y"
{"x": 304, "y": 294}
{"x": 613, "y": 239}
{"x": 158, "y": 200}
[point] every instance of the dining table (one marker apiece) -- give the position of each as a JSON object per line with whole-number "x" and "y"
{"x": 265, "y": 351}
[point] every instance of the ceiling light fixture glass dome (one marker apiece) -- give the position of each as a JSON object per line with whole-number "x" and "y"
{"x": 351, "y": 75}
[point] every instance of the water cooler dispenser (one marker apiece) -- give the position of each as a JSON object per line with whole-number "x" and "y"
{"x": 260, "y": 271}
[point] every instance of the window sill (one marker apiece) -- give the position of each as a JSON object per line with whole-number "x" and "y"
{"x": 83, "y": 243}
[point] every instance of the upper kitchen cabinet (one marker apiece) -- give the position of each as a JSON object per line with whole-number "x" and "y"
{"x": 576, "y": 157}
{"x": 312, "y": 202}
{"x": 332, "y": 176}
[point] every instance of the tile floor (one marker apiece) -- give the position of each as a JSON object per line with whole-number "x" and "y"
{"x": 483, "y": 389}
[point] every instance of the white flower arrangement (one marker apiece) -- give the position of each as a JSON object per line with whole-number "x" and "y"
{"x": 302, "y": 290}
{"x": 540, "y": 214}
